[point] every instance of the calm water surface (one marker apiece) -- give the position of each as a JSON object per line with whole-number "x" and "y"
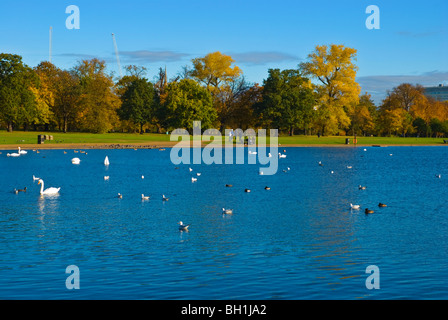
{"x": 299, "y": 240}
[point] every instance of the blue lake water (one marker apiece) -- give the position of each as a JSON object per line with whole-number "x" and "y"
{"x": 299, "y": 240}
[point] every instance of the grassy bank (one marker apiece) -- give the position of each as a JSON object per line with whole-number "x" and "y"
{"x": 30, "y": 138}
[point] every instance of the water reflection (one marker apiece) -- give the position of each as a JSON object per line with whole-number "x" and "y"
{"x": 48, "y": 205}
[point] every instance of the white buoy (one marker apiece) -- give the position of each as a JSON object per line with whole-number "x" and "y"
{"x": 106, "y": 161}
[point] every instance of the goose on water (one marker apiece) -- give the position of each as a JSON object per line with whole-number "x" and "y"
{"x": 381, "y": 205}
{"x": 367, "y": 211}
{"x": 183, "y": 227}
{"x": 20, "y": 190}
{"x": 227, "y": 211}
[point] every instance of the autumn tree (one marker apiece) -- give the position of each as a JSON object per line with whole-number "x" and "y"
{"x": 363, "y": 116}
{"x": 333, "y": 66}
{"x": 98, "y": 103}
{"x": 245, "y": 111}
{"x": 221, "y": 78}
{"x": 46, "y": 93}
{"x": 67, "y": 94}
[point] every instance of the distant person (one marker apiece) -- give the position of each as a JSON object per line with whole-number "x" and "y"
{"x": 318, "y": 134}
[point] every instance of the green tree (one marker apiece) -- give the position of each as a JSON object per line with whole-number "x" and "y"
{"x": 17, "y": 99}
{"x": 138, "y": 102}
{"x": 187, "y": 101}
{"x": 287, "y": 100}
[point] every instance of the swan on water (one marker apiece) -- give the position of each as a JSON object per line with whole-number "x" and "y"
{"x": 51, "y": 190}
{"x": 194, "y": 179}
{"x": 355, "y": 206}
{"x": 13, "y": 154}
{"x": 145, "y": 197}
{"x": 22, "y": 151}
{"x": 106, "y": 161}
{"x": 76, "y": 161}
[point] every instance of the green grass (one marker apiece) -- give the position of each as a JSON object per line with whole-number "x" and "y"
{"x": 30, "y": 137}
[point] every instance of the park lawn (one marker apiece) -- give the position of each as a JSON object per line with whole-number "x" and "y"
{"x": 30, "y": 137}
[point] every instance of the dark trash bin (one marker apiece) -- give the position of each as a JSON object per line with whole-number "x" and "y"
{"x": 347, "y": 141}
{"x": 40, "y": 139}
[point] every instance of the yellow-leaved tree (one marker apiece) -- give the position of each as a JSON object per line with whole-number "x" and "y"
{"x": 337, "y": 90}
{"x": 222, "y": 79}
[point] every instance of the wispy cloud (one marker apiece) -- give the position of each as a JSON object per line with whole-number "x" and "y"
{"x": 146, "y": 56}
{"x": 79, "y": 56}
{"x": 422, "y": 34}
{"x": 378, "y": 85}
{"x": 262, "y": 57}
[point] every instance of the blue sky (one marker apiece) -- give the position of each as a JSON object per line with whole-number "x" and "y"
{"x": 410, "y": 46}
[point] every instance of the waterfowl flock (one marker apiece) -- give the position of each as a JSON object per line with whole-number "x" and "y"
{"x": 194, "y": 178}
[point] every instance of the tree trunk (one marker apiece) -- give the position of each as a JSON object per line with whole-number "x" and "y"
{"x": 65, "y": 124}
{"x": 9, "y": 126}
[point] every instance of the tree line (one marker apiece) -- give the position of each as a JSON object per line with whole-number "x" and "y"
{"x": 320, "y": 97}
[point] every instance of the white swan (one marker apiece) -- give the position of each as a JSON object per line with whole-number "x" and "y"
{"x": 198, "y": 174}
{"x": 76, "y": 161}
{"x": 252, "y": 152}
{"x": 22, "y": 151}
{"x": 355, "y": 206}
{"x": 106, "y": 177}
{"x": 194, "y": 179}
{"x": 35, "y": 178}
{"x": 281, "y": 155}
{"x": 106, "y": 161}
{"x": 183, "y": 227}
{"x": 13, "y": 154}
{"x": 49, "y": 190}
{"x": 145, "y": 197}
{"x": 227, "y": 211}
